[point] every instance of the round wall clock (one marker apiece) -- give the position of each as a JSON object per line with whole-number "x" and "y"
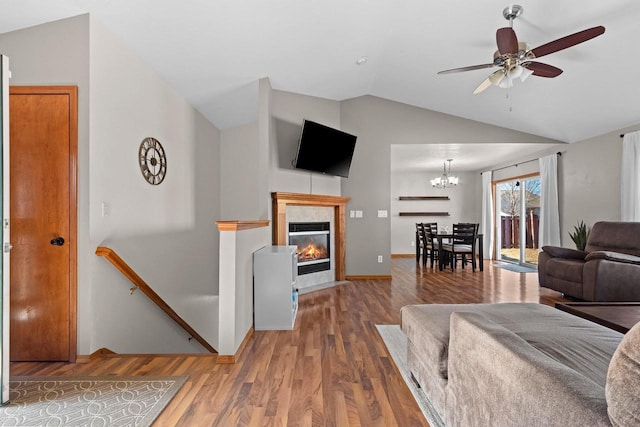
{"x": 153, "y": 161}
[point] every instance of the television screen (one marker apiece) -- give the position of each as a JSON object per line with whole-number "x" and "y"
{"x": 324, "y": 149}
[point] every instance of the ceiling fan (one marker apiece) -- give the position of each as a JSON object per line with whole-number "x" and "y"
{"x": 516, "y": 60}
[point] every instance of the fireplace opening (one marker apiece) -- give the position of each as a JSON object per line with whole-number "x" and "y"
{"x": 314, "y": 247}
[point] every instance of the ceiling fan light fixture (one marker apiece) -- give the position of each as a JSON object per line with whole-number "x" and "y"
{"x": 515, "y": 72}
{"x": 506, "y": 83}
{"x": 525, "y": 74}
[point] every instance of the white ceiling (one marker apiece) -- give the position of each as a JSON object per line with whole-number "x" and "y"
{"x": 465, "y": 157}
{"x": 214, "y": 52}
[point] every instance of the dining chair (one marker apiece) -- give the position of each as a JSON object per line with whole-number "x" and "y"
{"x": 462, "y": 243}
{"x": 419, "y": 240}
{"x": 431, "y": 249}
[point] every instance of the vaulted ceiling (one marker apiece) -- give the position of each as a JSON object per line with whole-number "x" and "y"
{"x": 214, "y": 52}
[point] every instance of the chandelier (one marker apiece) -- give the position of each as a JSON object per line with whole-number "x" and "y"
{"x": 446, "y": 180}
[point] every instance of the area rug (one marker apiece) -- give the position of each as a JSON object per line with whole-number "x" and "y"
{"x": 87, "y": 401}
{"x": 396, "y": 342}
{"x": 515, "y": 267}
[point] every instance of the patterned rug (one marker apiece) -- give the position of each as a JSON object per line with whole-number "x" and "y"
{"x": 87, "y": 401}
{"x": 396, "y": 342}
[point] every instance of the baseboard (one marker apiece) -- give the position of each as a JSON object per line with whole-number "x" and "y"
{"x": 88, "y": 358}
{"x": 99, "y": 353}
{"x": 226, "y": 359}
{"x": 403, "y": 255}
{"x": 105, "y": 353}
{"x": 381, "y": 277}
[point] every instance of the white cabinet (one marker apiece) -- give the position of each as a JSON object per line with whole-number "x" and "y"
{"x": 275, "y": 296}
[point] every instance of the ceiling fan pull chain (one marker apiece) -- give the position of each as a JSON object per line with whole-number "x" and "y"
{"x": 510, "y": 99}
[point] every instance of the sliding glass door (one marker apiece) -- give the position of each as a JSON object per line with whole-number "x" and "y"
{"x": 517, "y": 219}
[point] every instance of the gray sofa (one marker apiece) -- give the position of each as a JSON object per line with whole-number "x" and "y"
{"x": 520, "y": 364}
{"x": 607, "y": 270}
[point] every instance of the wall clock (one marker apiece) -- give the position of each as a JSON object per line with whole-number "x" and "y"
{"x": 153, "y": 161}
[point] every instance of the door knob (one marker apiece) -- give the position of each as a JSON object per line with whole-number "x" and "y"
{"x": 58, "y": 241}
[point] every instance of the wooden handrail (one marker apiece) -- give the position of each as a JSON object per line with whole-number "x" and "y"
{"x": 137, "y": 281}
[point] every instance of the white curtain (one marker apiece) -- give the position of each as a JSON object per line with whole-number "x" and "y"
{"x": 549, "y": 233}
{"x": 630, "y": 176}
{"x": 486, "y": 227}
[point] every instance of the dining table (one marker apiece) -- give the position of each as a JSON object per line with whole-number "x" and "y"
{"x": 441, "y": 236}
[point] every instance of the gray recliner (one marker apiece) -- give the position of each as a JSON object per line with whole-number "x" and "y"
{"x": 607, "y": 270}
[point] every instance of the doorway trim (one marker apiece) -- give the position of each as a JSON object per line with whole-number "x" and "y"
{"x": 72, "y": 93}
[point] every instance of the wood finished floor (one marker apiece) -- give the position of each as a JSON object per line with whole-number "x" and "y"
{"x": 331, "y": 370}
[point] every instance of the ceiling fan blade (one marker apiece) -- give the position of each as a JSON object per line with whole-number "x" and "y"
{"x": 543, "y": 70}
{"x": 469, "y": 68}
{"x": 482, "y": 86}
{"x": 507, "y": 41}
{"x": 493, "y": 79}
{"x": 568, "y": 41}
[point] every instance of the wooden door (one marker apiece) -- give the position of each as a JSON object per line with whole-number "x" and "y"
{"x": 43, "y": 133}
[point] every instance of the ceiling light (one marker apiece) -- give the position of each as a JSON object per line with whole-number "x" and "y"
{"x": 362, "y": 60}
{"x": 525, "y": 73}
{"x": 446, "y": 180}
{"x": 506, "y": 83}
{"x": 515, "y": 72}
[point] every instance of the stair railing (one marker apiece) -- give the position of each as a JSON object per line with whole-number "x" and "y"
{"x": 138, "y": 283}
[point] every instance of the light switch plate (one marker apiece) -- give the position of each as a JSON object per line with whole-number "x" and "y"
{"x": 358, "y": 214}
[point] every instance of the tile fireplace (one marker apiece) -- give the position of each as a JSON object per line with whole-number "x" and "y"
{"x": 314, "y": 245}
{"x": 282, "y": 201}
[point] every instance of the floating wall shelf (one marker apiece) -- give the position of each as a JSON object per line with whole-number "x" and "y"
{"x": 423, "y": 198}
{"x": 424, "y": 213}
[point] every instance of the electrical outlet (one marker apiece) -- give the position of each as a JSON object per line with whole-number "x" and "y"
{"x": 379, "y": 258}
{"x": 413, "y": 243}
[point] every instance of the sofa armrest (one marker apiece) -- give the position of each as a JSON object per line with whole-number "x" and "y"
{"x": 613, "y": 256}
{"x": 496, "y": 378}
{"x": 566, "y": 253}
{"x": 611, "y": 276}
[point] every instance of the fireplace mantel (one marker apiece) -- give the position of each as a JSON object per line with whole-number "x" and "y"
{"x": 282, "y": 200}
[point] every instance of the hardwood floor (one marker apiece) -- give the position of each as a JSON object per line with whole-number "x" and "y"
{"x": 331, "y": 370}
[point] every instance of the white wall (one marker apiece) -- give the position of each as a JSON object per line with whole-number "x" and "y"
{"x": 240, "y": 192}
{"x": 288, "y": 110}
{"x": 236, "y": 285}
{"x": 164, "y": 232}
{"x": 464, "y": 204}
{"x": 57, "y": 53}
{"x": 379, "y": 123}
{"x": 589, "y": 181}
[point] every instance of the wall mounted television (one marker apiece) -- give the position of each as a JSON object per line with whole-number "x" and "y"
{"x": 324, "y": 149}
